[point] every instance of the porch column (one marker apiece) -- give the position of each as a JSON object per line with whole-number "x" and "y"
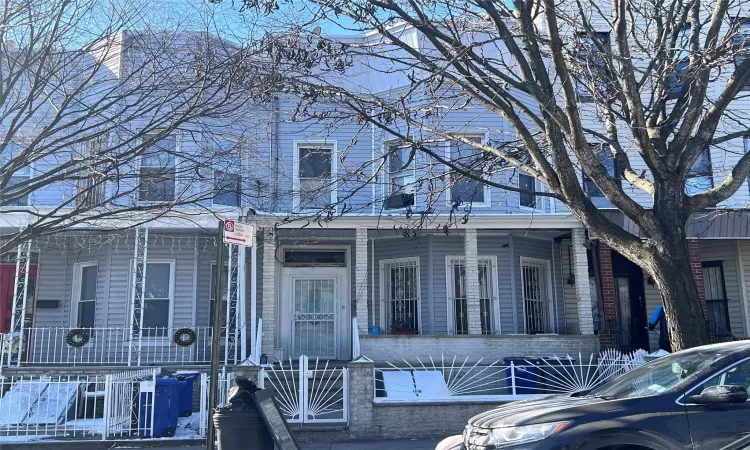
{"x": 583, "y": 289}
{"x": 473, "y": 308}
{"x": 268, "y": 307}
{"x": 360, "y": 270}
{"x": 694, "y": 253}
{"x": 20, "y": 296}
{"x": 609, "y": 308}
{"x": 137, "y": 294}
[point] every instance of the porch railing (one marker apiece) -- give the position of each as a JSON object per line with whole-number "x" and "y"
{"x": 43, "y": 346}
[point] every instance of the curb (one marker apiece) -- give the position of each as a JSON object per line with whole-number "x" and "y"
{"x": 101, "y": 445}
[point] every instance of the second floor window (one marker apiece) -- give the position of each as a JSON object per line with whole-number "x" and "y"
{"x": 227, "y": 189}
{"x": 677, "y": 81}
{"x": 314, "y": 176}
{"x": 742, "y": 44}
{"x": 466, "y": 189}
{"x": 528, "y": 199}
{"x": 91, "y": 183}
{"x": 12, "y": 150}
{"x": 700, "y": 177}
{"x": 401, "y": 178}
{"x": 590, "y": 67}
{"x": 605, "y": 157}
{"x": 158, "y": 171}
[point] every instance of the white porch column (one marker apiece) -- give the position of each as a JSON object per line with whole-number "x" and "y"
{"x": 583, "y": 290}
{"x": 20, "y": 296}
{"x": 269, "y": 294}
{"x": 137, "y": 294}
{"x": 360, "y": 270}
{"x": 472, "y": 282}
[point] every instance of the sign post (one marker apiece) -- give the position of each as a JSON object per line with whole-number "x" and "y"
{"x": 233, "y": 233}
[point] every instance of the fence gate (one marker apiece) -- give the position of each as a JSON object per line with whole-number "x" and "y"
{"x": 310, "y": 394}
{"x": 129, "y": 403}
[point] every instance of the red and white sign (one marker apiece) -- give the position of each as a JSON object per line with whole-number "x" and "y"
{"x": 238, "y": 233}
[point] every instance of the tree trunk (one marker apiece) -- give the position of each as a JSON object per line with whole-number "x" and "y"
{"x": 670, "y": 267}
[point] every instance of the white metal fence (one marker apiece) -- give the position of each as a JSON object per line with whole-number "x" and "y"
{"x": 317, "y": 393}
{"x": 73, "y": 406}
{"x": 226, "y": 380}
{"x": 105, "y": 346}
{"x": 456, "y": 380}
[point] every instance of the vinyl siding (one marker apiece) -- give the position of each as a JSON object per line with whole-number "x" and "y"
{"x": 570, "y": 301}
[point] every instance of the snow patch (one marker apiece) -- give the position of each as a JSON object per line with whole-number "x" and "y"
{"x": 188, "y": 427}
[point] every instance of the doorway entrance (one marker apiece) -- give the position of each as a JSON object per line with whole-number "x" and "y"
{"x": 630, "y": 303}
{"x": 7, "y": 285}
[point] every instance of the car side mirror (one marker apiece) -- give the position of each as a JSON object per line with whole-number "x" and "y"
{"x": 726, "y": 394}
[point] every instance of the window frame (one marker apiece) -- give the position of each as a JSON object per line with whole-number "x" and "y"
{"x": 175, "y": 167}
{"x": 296, "y": 193}
{"x": 450, "y": 261}
{"x": 585, "y": 179}
{"x": 404, "y": 172}
{"x": 155, "y": 339}
{"x": 487, "y": 202}
{"x": 238, "y": 151}
{"x": 96, "y": 197}
{"x": 582, "y": 91}
{"x": 30, "y": 168}
{"x": 708, "y": 174}
{"x": 77, "y": 290}
{"x": 538, "y": 200}
{"x": 743, "y": 23}
{"x": 384, "y": 264}
{"x": 215, "y": 188}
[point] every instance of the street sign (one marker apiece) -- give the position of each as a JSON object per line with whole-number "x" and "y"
{"x": 238, "y": 233}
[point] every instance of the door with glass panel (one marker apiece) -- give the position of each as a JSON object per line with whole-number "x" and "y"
{"x": 458, "y": 295}
{"x": 315, "y": 302}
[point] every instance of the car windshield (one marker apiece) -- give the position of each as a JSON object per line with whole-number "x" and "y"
{"x": 660, "y": 375}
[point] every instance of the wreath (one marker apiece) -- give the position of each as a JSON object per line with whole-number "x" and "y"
{"x": 184, "y": 337}
{"x": 77, "y": 337}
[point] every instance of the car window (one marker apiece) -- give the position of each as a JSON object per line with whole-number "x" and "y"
{"x": 738, "y": 375}
{"x": 662, "y": 374}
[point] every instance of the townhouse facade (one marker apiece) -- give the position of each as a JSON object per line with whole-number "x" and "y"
{"x": 520, "y": 278}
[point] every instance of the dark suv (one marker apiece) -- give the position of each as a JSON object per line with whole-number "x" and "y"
{"x": 694, "y": 399}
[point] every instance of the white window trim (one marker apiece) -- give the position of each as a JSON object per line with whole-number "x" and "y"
{"x": 76, "y": 294}
{"x": 552, "y": 318}
{"x": 383, "y": 314}
{"x": 539, "y": 187}
{"x": 239, "y": 173}
{"x": 295, "y": 167}
{"x": 487, "y": 203}
{"x": 84, "y": 154}
{"x": 164, "y": 340}
{"x": 495, "y": 299}
{"x": 386, "y": 186}
{"x": 177, "y": 183}
{"x": 32, "y": 174}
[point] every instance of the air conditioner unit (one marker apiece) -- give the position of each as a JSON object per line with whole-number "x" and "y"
{"x": 399, "y": 200}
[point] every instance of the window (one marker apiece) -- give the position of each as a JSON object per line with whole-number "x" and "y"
{"x": 458, "y": 301}
{"x": 677, "y": 81}
{"x": 227, "y": 189}
{"x": 700, "y": 178}
{"x": 605, "y": 157}
{"x": 527, "y": 199}
{"x": 470, "y": 159}
{"x": 738, "y": 375}
{"x": 157, "y": 301}
{"x": 592, "y": 68}
{"x": 399, "y": 289}
{"x": 158, "y": 171}
{"x": 85, "y": 294}
{"x": 717, "y": 304}
{"x": 12, "y": 150}
{"x": 212, "y": 296}
{"x": 314, "y": 173}
{"x": 400, "y": 179}
{"x": 90, "y": 185}
{"x": 312, "y": 258}
{"x": 742, "y": 43}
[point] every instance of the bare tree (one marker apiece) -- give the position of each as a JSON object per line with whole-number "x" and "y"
{"x": 622, "y": 98}
{"x": 113, "y": 116}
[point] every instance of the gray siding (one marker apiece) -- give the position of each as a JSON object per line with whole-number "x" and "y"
{"x": 569, "y": 300}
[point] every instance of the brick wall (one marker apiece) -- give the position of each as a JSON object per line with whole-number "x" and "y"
{"x": 609, "y": 309}
{"x": 395, "y": 348}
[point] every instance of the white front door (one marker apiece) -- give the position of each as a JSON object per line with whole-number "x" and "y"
{"x": 315, "y": 301}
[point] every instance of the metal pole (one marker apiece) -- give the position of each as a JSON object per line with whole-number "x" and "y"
{"x": 215, "y": 339}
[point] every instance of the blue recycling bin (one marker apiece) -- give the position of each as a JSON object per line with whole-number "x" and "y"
{"x": 185, "y": 406}
{"x": 525, "y": 374}
{"x": 165, "y": 406}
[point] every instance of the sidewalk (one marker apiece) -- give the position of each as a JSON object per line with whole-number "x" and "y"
{"x": 398, "y": 444}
